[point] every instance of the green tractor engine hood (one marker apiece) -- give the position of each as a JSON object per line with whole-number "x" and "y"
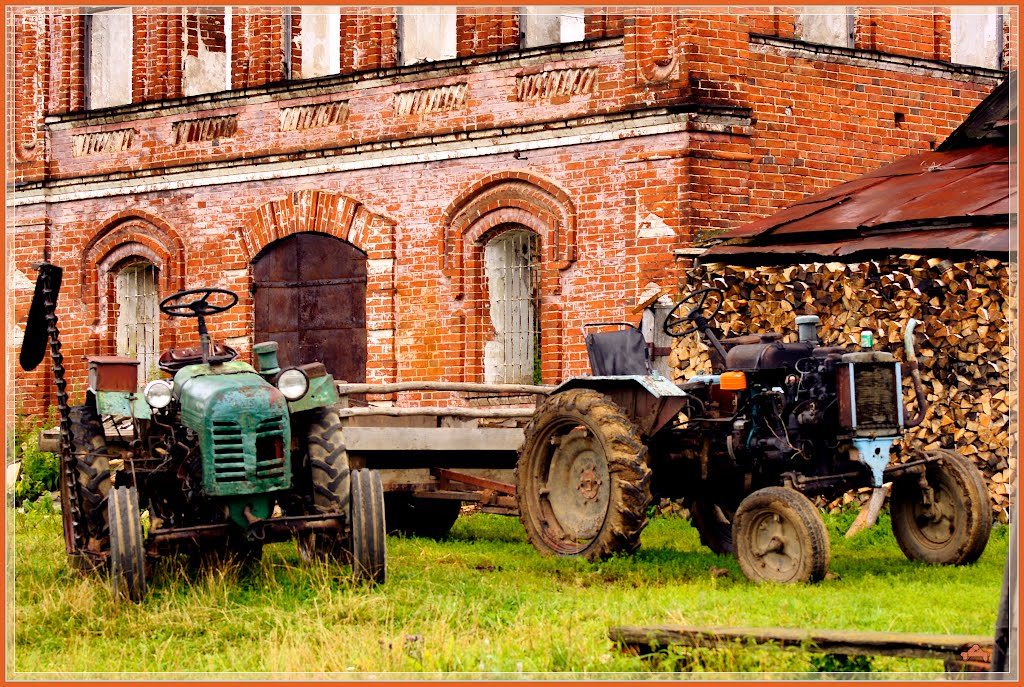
{"x": 243, "y": 427}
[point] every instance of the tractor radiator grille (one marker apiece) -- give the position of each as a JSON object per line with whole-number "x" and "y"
{"x": 269, "y": 449}
{"x": 876, "y": 396}
{"x": 228, "y": 452}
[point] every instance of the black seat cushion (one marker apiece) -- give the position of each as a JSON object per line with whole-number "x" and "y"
{"x": 621, "y": 352}
{"x": 176, "y": 358}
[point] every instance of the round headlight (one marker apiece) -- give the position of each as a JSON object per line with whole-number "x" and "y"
{"x": 293, "y": 384}
{"x": 157, "y": 394}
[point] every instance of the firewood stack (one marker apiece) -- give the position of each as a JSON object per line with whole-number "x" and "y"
{"x": 966, "y": 342}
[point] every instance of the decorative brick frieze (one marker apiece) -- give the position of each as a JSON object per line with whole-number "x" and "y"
{"x": 427, "y": 100}
{"x": 102, "y": 142}
{"x": 557, "y": 82}
{"x": 209, "y": 129}
{"x": 313, "y": 116}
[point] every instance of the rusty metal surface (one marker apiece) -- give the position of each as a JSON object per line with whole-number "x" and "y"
{"x": 309, "y": 295}
{"x": 950, "y": 200}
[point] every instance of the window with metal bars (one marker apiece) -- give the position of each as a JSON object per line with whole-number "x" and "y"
{"x": 511, "y": 267}
{"x": 138, "y": 316}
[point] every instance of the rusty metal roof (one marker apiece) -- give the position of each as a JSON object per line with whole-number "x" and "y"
{"x": 954, "y": 200}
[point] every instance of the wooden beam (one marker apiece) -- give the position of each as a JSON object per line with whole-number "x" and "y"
{"x": 445, "y": 439}
{"x": 396, "y": 387}
{"x": 846, "y": 642}
{"x": 436, "y": 411}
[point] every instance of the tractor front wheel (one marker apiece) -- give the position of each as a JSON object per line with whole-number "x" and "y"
{"x": 127, "y": 551}
{"x": 369, "y": 546}
{"x": 943, "y": 516}
{"x": 779, "y": 537}
{"x": 582, "y": 481}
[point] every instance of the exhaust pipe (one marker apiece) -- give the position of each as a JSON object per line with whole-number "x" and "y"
{"x": 915, "y": 375}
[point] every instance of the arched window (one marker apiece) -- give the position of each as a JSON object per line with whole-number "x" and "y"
{"x": 138, "y": 315}
{"x": 511, "y": 269}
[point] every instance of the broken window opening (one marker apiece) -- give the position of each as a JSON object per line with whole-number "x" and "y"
{"x": 426, "y": 34}
{"x": 320, "y": 40}
{"x": 207, "y": 60}
{"x": 976, "y": 36}
{"x": 551, "y": 25}
{"x": 826, "y": 25}
{"x": 138, "y": 316}
{"x": 108, "y": 46}
{"x": 512, "y": 271}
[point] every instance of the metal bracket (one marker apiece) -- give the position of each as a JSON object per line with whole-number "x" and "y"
{"x": 875, "y": 454}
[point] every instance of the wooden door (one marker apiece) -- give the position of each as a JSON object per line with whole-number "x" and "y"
{"x": 309, "y": 294}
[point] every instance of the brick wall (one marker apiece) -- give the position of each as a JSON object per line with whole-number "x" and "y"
{"x": 660, "y": 128}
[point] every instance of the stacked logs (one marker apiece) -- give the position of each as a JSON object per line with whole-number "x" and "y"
{"x": 966, "y": 342}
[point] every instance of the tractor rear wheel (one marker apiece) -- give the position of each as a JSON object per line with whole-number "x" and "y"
{"x": 89, "y": 446}
{"x": 127, "y": 551}
{"x": 330, "y": 480}
{"x": 369, "y": 545}
{"x": 948, "y": 519}
{"x": 413, "y": 517}
{"x": 582, "y": 481}
{"x": 779, "y": 537}
{"x": 713, "y": 523}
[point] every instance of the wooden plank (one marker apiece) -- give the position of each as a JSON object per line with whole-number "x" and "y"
{"x": 447, "y": 439}
{"x": 437, "y": 411}
{"x": 850, "y": 643}
{"x": 395, "y": 387}
{"x": 424, "y": 479}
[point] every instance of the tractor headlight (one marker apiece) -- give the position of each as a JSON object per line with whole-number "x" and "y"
{"x": 293, "y": 383}
{"x": 157, "y": 394}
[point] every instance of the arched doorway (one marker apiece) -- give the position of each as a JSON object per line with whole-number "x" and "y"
{"x": 309, "y": 295}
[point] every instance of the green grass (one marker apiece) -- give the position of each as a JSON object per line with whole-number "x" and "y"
{"x": 482, "y": 603}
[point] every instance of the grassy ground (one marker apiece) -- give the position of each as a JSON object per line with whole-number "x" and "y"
{"x": 483, "y": 603}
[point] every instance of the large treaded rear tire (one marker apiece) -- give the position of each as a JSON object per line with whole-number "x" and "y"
{"x": 127, "y": 551}
{"x": 369, "y": 541}
{"x": 89, "y": 445}
{"x": 331, "y": 484}
{"x": 955, "y": 534}
{"x": 582, "y": 481}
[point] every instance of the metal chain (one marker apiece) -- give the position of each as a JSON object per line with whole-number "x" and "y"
{"x": 69, "y": 462}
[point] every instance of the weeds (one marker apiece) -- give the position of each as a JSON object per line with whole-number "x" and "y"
{"x": 482, "y": 603}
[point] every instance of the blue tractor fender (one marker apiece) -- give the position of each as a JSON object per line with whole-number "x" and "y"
{"x": 651, "y": 401}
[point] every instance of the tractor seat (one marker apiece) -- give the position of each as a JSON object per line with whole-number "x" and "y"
{"x": 176, "y": 358}
{"x": 619, "y": 352}
{"x": 746, "y": 339}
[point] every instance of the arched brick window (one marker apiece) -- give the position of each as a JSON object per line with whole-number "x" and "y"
{"x": 127, "y": 266}
{"x": 506, "y": 240}
{"x": 512, "y": 272}
{"x": 137, "y": 304}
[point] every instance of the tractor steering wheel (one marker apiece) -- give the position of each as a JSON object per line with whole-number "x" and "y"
{"x": 198, "y": 307}
{"x": 696, "y": 314}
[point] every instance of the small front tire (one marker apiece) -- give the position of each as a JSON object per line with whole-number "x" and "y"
{"x": 954, "y": 528}
{"x": 127, "y": 551}
{"x": 779, "y": 537}
{"x": 369, "y": 544}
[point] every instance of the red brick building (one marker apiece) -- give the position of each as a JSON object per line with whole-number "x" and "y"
{"x": 438, "y": 193}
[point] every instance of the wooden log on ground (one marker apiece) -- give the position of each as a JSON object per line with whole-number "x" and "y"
{"x": 844, "y": 642}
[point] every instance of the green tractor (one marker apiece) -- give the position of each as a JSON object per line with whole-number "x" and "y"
{"x": 213, "y": 461}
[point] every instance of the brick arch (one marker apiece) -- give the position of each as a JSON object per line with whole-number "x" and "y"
{"x": 510, "y": 197}
{"x": 309, "y": 210}
{"x": 132, "y": 233}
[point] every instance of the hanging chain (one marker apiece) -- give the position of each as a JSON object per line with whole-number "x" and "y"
{"x": 74, "y": 523}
